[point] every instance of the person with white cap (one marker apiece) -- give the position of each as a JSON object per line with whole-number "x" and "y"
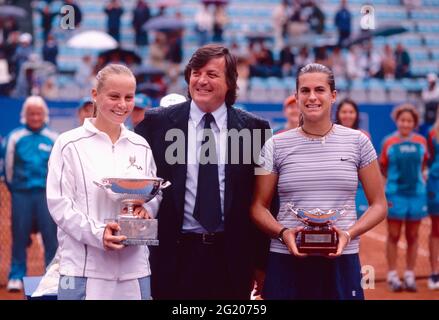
{"x": 431, "y": 93}
{"x": 171, "y": 99}
{"x": 85, "y": 109}
{"x": 141, "y": 103}
{"x": 23, "y": 50}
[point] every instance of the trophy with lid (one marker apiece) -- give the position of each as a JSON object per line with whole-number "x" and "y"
{"x": 318, "y": 237}
{"x": 130, "y": 192}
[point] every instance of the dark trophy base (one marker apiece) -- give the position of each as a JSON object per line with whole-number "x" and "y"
{"x": 318, "y": 242}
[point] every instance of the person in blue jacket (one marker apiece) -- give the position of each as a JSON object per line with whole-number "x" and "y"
{"x": 26, "y": 152}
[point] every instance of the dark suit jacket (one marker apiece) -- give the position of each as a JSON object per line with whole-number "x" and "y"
{"x": 244, "y": 244}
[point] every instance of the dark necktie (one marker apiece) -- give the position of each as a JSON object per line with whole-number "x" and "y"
{"x": 208, "y": 202}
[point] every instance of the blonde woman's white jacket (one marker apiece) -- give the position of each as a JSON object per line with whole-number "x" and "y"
{"x": 79, "y": 207}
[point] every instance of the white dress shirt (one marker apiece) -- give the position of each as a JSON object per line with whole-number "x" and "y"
{"x": 195, "y": 137}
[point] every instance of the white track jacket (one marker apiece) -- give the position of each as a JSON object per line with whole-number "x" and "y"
{"x": 79, "y": 207}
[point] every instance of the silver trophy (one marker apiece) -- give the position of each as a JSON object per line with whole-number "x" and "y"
{"x": 132, "y": 192}
{"x": 318, "y": 237}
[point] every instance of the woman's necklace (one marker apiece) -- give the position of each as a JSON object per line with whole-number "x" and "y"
{"x": 322, "y": 136}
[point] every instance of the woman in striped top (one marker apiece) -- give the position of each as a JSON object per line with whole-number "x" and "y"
{"x": 316, "y": 166}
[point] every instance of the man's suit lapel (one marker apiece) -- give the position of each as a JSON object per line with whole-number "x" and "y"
{"x": 179, "y": 117}
{"x": 231, "y": 171}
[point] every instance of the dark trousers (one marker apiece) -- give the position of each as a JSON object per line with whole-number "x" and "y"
{"x": 202, "y": 271}
{"x": 313, "y": 278}
{"x": 28, "y": 207}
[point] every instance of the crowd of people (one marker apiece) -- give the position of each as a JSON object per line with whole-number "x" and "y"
{"x": 273, "y": 55}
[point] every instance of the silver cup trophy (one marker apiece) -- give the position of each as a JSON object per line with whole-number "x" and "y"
{"x": 318, "y": 237}
{"x": 131, "y": 192}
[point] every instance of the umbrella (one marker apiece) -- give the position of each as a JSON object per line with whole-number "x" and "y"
{"x": 153, "y": 90}
{"x": 259, "y": 36}
{"x": 92, "y": 40}
{"x": 378, "y": 32}
{"x": 124, "y": 55}
{"x": 12, "y": 11}
{"x": 217, "y": 2}
{"x": 167, "y": 3}
{"x": 148, "y": 71}
{"x": 163, "y": 23}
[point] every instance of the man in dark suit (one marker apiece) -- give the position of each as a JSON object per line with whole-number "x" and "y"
{"x": 209, "y": 249}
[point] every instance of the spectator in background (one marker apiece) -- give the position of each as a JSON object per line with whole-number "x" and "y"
{"x": 158, "y": 51}
{"x": 84, "y": 75}
{"x": 220, "y": 21}
{"x": 141, "y": 15}
{"x": 388, "y": 63}
{"x": 370, "y": 61}
{"x": 431, "y": 93}
{"x": 402, "y": 58}
{"x": 23, "y": 51}
{"x": 286, "y": 60}
{"x": 49, "y": 89}
{"x": 171, "y": 99}
{"x": 141, "y": 104}
{"x": 316, "y": 19}
{"x": 303, "y": 58}
{"x": 430, "y": 98}
{"x": 403, "y": 161}
{"x": 85, "y": 109}
{"x": 203, "y": 24}
{"x": 433, "y": 203}
{"x": 174, "y": 55}
{"x": 354, "y": 64}
{"x": 337, "y": 62}
{"x": 27, "y": 150}
{"x": 280, "y": 17}
{"x": 50, "y": 50}
{"x": 114, "y": 11}
{"x": 291, "y": 113}
{"x": 9, "y": 25}
{"x": 348, "y": 115}
{"x": 46, "y": 20}
{"x": 343, "y": 22}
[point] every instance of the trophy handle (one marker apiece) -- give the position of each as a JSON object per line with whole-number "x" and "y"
{"x": 101, "y": 185}
{"x": 164, "y": 185}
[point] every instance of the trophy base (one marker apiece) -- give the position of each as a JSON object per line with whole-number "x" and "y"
{"x": 140, "y": 242}
{"x": 318, "y": 242}
{"x": 139, "y": 232}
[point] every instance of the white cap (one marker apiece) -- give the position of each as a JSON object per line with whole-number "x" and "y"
{"x": 431, "y": 77}
{"x": 25, "y": 37}
{"x": 171, "y": 99}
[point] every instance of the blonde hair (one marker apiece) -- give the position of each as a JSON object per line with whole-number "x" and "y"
{"x": 406, "y": 107}
{"x": 110, "y": 69}
{"x": 34, "y": 101}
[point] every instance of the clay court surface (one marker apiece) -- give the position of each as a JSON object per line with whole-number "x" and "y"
{"x": 372, "y": 253}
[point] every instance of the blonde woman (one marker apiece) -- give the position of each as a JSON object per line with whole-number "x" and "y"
{"x": 92, "y": 257}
